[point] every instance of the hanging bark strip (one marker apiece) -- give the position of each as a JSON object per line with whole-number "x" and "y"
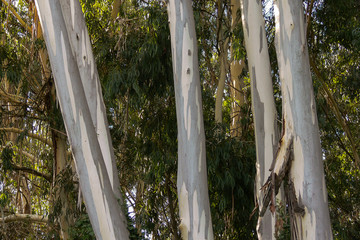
{"x": 306, "y": 171}
{"x": 279, "y": 170}
{"x": 83, "y": 112}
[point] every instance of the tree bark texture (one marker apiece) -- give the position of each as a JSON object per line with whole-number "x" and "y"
{"x": 263, "y": 104}
{"x": 307, "y": 192}
{"x": 192, "y": 174}
{"x": 83, "y": 112}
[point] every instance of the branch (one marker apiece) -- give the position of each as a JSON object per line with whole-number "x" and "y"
{"x": 32, "y": 135}
{"x": 279, "y": 170}
{"x": 17, "y": 16}
{"x": 332, "y": 102}
{"x": 25, "y": 217}
{"x": 31, "y": 171}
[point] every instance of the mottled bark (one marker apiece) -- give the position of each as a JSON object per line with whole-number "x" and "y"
{"x": 263, "y": 104}
{"x": 83, "y": 112}
{"x": 307, "y": 192}
{"x": 192, "y": 174}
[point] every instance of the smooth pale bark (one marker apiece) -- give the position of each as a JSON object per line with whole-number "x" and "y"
{"x": 237, "y": 84}
{"x": 82, "y": 50}
{"x": 307, "y": 191}
{"x": 192, "y": 174}
{"x": 263, "y": 104}
{"x": 82, "y": 115}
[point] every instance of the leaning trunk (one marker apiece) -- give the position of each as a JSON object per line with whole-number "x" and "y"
{"x": 306, "y": 190}
{"x": 192, "y": 174}
{"x": 83, "y": 114}
{"x": 263, "y": 104}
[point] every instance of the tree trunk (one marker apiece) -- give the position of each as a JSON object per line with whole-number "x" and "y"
{"x": 307, "y": 194}
{"x": 223, "y": 44}
{"x": 192, "y": 174}
{"x": 237, "y": 84}
{"x": 263, "y": 104}
{"x": 83, "y": 113}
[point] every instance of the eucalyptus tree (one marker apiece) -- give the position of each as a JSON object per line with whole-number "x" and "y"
{"x": 192, "y": 184}
{"x": 306, "y": 189}
{"x": 83, "y": 110}
{"x": 298, "y": 156}
{"x": 263, "y": 105}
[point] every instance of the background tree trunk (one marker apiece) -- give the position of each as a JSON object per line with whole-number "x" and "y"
{"x": 263, "y": 104}
{"x": 192, "y": 174}
{"x": 236, "y": 84}
{"x": 307, "y": 194}
{"x": 223, "y": 45}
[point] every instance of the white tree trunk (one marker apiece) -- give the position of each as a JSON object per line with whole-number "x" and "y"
{"x": 84, "y": 114}
{"x": 263, "y": 104}
{"x": 192, "y": 174}
{"x": 306, "y": 194}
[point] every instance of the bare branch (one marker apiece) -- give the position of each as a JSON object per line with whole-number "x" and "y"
{"x": 32, "y": 135}
{"x": 25, "y": 217}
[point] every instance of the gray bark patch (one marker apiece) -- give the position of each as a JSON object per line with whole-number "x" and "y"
{"x": 246, "y": 13}
{"x": 259, "y": 123}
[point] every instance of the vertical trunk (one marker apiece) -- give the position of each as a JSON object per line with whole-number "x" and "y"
{"x": 307, "y": 193}
{"x": 223, "y": 43}
{"x": 263, "y": 104}
{"x": 83, "y": 113}
{"x": 61, "y": 159}
{"x": 236, "y": 68}
{"x": 192, "y": 174}
{"x": 221, "y": 83}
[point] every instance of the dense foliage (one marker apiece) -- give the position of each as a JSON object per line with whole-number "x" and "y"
{"x": 132, "y": 48}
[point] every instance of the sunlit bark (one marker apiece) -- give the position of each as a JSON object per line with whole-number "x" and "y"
{"x": 192, "y": 174}
{"x": 306, "y": 189}
{"x": 83, "y": 111}
{"x": 263, "y": 104}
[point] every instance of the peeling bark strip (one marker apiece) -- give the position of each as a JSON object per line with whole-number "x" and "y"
{"x": 192, "y": 174}
{"x": 280, "y": 170}
{"x": 83, "y": 112}
{"x": 306, "y": 171}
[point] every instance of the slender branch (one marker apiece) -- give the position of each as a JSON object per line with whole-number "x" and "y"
{"x": 32, "y": 135}
{"x": 332, "y": 102}
{"x": 25, "y": 217}
{"x": 31, "y": 171}
{"x": 22, "y": 22}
